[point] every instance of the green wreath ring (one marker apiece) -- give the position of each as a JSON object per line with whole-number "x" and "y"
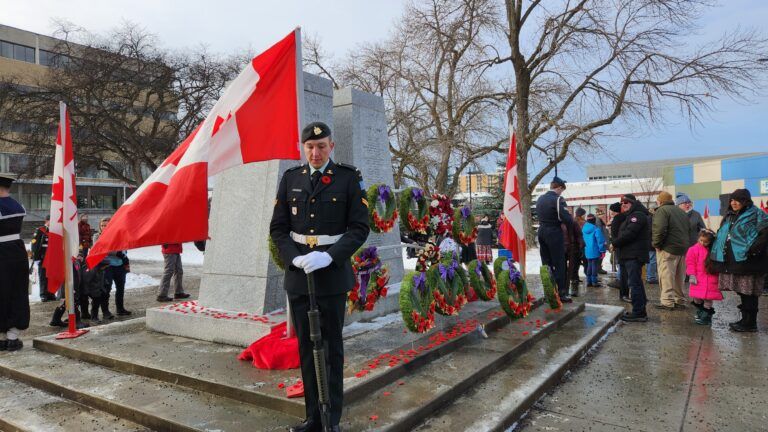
{"x": 448, "y": 280}
{"x": 413, "y": 199}
{"x": 371, "y": 279}
{"x": 275, "y": 254}
{"x": 550, "y": 288}
{"x": 464, "y": 227}
{"x": 417, "y": 303}
{"x": 382, "y": 208}
{"x": 481, "y": 280}
{"x": 514, "y": 297}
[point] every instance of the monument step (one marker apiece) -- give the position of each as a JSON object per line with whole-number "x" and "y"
{"x": 155, "y": 404}
{"x": 29, "y": 409}
{"x": 502, "y": 399}
{"x": 405, "y": 403}
{"x": 214, "y": 368}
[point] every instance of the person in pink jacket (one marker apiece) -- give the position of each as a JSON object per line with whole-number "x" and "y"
{"x": 704, "y": 289}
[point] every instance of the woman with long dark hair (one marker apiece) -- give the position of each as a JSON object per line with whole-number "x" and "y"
{"x": 740, "y": 255}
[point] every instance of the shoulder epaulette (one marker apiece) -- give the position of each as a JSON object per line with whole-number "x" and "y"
{"x": 295, "y": 168}
{"x": 347, "y": 166}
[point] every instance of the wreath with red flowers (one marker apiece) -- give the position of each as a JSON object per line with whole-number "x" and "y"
{"x": 550, "y": 287}
{"x": 414, "y": 205}
{"x": 514, "y": 297}
{"x": 371, "y": 278}
{"x": 440, "y": 214}
{"x": 464, "y": 227}
{"x": 481, "y": 280}
{"x": 382, "y": 208}
{"x": 417, "y": 303}
{"x": 427, "y": 257}
{"x": 448, "y": 281}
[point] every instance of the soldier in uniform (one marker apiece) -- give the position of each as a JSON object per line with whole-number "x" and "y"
{"x": 552, "y": 213}
{"x": 319, "y": 221}
{"x": 14, "y": 276}
{"x": 39, "y": 247}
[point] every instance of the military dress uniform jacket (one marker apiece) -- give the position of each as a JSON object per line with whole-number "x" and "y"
{"x": 337, "y": 205}
{"x": 14, "y": 268}
{"x": 551, "y": 210}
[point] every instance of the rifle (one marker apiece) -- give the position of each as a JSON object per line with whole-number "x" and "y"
{"x": 318, "y": 352}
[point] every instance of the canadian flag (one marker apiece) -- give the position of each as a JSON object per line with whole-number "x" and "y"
{"x": 256, "y": 119}
{"x": 706, "y": 215}
{"x": 512, "y": 232}
{"x": 63, "y": 235}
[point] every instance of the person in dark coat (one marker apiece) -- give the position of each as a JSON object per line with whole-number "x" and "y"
{"x": 319, "y": 221}
{"x": 552, "y": 213}
{"x": 696, "y": 222}
{"x": 484, "y": 240}
{"x": 14, "y": 270}
{"x": 740, "y": 255}
{"x": 631, "y": 244}
{"x": 39, "y": 246}
{"x": 616, "y": 221}
{"x": 574, "y": 243}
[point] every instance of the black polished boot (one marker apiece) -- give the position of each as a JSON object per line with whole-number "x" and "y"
{"x": 58, "y": 313}
{"x": 15, "y": 344}
{"x": 308, "y": 425}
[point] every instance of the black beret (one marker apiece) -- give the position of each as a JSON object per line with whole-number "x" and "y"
{"x": 315, "y": 130}
{"x": 557, "y": 181}
{"x": 6, "y": 182}
{"x": 630, "y": 197}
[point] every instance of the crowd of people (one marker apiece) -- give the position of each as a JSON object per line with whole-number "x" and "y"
{"x": 671, "y": 241}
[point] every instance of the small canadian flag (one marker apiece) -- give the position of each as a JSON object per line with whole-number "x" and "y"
{"x": 63, "y": 236}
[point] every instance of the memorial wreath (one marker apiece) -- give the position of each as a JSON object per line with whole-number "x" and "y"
{"x": 550, "y": 287}
{"x": 415, "y": 209}
{"x": 514, "y": 297}
{"x": 382, "y": 208}
{"x": 371, "y": 278}
{"x": 440, "y": 214}
{"x": 417, "y": 304}
{"x": 448, "y": 282}
{"x": 481, "y": 280}
{"x": 464, "y": 229}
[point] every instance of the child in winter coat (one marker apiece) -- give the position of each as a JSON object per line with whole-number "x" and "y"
{"x": 594, "y": 249}
{"x": 704, "y": 288}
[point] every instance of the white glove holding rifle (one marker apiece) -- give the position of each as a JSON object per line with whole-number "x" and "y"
{"x": 313, "y": 261}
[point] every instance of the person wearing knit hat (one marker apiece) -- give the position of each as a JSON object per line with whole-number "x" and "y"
{"x": 740, "y": 255}
{"x": 695, "y": 221}
{"x": 671, "y": 240}
{"x": 631, "y": 244}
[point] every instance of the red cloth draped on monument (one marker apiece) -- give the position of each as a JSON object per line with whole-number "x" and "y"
{"x": 273, "y": 351}
{"x": 63, "y": 207}
{"x": 512, "y": 235}
{"x": 256, "y": 119}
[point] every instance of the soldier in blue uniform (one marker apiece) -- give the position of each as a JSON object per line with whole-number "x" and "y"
{"x": 319, "y": 221}
{"x": 14, "y": 273}
{"x": 552, "y": 213}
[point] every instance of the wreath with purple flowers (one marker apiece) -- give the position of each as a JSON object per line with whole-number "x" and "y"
{"x": 482, "y": 280}
{"x": 417, "y": 305}
{"x": 464, "y": 227}
{"x": 382, "y": 208}
{"x": 414, "y": 208}
{"x": 448, "y": 281}
{"x": 371, "y": 278}
{"x": 514, "y": 297}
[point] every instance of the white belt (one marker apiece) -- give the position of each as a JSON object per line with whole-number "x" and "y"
{"x": 318, "y": 240}
{"x": 9, "y": 237}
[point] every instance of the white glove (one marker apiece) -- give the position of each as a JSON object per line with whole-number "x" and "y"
{"x": 692, "y": 280}
{"x": 299, "y": 261}
{"x": 316, "y": 261}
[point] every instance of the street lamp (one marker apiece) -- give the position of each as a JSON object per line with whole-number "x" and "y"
{"x": 471, "y": 173}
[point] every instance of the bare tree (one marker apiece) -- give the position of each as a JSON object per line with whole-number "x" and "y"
{"x": 130, "y": 101}
{"x": 581, "y": 65}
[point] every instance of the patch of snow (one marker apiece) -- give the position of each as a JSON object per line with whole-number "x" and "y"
{"x": 190, "y": 256}
{"x": 358, "y": 327}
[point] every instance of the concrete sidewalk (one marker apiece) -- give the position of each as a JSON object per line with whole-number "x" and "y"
{"x": 668, "y": 374}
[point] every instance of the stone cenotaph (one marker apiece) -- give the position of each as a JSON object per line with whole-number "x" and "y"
{"x": 241, "y": 290}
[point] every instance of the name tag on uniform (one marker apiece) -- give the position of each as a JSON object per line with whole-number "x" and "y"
{"x": 294, "y": 211}
{"x": 296, "y": 190}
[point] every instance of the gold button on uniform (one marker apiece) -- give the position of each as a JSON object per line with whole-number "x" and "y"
{"x": 334, "y": 199}
{"x": 311, "y": 231}
{"x": 313, "y": 200}
{"x": 311, "y": 215}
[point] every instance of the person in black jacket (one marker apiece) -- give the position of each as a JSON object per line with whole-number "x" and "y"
{"x": 632, "y": 246}
{"x": 617, "y": 217}
{"x": 319, "y": 221}
{"x": 552, "y": 213}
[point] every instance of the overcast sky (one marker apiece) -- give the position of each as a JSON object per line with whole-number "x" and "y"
{"x": 228, "y": 26}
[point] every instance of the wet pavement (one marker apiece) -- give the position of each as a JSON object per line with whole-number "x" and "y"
{"x": 668, "y": 374}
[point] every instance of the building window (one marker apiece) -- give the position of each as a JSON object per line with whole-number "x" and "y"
{"x": 36, "y": 201}
{"x": 52, "y": 59}
{"x": 17, "y": 52}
